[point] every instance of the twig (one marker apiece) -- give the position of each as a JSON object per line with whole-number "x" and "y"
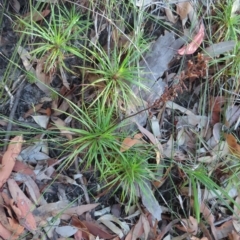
{"x": 82, "y": 182}
{"x": 10, "y": 95}
{"x": 11, "y": 116}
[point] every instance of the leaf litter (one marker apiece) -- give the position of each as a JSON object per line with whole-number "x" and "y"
{"x": 36, "y": 195}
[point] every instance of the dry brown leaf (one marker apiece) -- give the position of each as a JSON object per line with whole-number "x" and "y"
{"x": 151, "y": 137}
{"x": 137, "y": 231}
{"x": 16, "y": 228}
{"x": 33, "y": 190}
{"x": 189, "y": 225}
{"x": 183, "y": 9}
{"x": 62, "y": 108}
{"x": 209, "y": 218}
{"x": 43, "y": 212}
{"x": 23, "y": 168}
{"x": 170, "y": 15}
{"x": 25, "y": 217}
{"x": 83, "y": 230}
{"x": 166, "y": 229}
{"x": 33, "y": 110}
{"x": 9, "y": 158}
{"x": 46, "y": 111}
{"x": 224, "y": 230}
{"x": 6, "y": 234}
{"x": 233, "y": 145}
{"x": 234, "y": 235}
{"x": 194, "y": 45}
{"x": 120, "y": 228}
{"x": 6, "y": 199}
{"x": 3, "y": 218}
{"x": 44, "y": 78}
{"x": 215, "y": 104}
{"x": 96, "y": 230}
{"x": 64, "y": 77}
{"x": 77, "y": 210}
{"x": 61, "y": 125}
{"x": 17, "y": 193}
{"x": 128, "y": 142}
{"x": 79, "y": 235}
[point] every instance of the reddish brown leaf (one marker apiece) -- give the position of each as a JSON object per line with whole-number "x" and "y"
{"x": 83, "y": 231}
{"x": 216, "y": 103}
{"x": 194, "y": 45}
{"x": 96, "y": 230}
{"x": 33, "y": 110}
{"x": 24, "y": 215}
{"x": 3, "y": 217}
{"x": 6, "y": 234}
{"x": 23, "y": 168}
{"x": 128, "y": 142}
{"x": 15, "y": 227}
{"x": 17, "y": 193}
{"x": 233, "y": 145}
{"x": 9, "y": 158}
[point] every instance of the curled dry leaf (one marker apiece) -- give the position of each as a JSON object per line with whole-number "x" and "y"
{"x": 108, "y": 220}
{"x": 82, "y": 229}
{"x": 183, "y": 9}
{"x": 233, "y": 145}
{"x": 9, "y": 158}
{"x": 33, "y": 110}
{"x": 26, "y": 218}
{"x": 194, "y": 45}
{"x": 58, "y": 110}
{"x": 17, "y": 193}
{"x": 209, "y": 218}
{"x": 61, "y": 125}
{"x": 170, "y": 15}
{"x": 23, "y": 207}
{"x": 97, "y": 230}
{"x": 128, "y": 142}
{"x": 141, "y": 227}
{"x": 77, "y": 210}
{"x": 23, "y": 168}
{"x": 151, "y": 137}
{"x": 16, "y": 228}
{"x": 189, "y": 225}
{"x": 45, "y": 211}
{"x": 6, "y": 234}
{"x": 216, "y": 104}
{"x": 9, "y": 222}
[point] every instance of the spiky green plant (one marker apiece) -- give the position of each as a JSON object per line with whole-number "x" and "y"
{"x": 54, "y": 38}
{"x": 115, "y": 73}
{"x": 133, "y": 172}
{"x": 96, "y": 139}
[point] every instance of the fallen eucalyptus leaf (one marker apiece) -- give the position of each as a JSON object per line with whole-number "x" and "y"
{"x": 219, "y": 48}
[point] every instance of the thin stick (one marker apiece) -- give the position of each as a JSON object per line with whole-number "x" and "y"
{"x": 11, "y": 116}
{"x": 82, "y": 182}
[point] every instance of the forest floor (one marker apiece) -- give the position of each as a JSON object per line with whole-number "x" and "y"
{"x": 119, "y": 119}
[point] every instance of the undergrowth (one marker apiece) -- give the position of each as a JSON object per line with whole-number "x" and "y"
{"x": 96, "y": 134}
